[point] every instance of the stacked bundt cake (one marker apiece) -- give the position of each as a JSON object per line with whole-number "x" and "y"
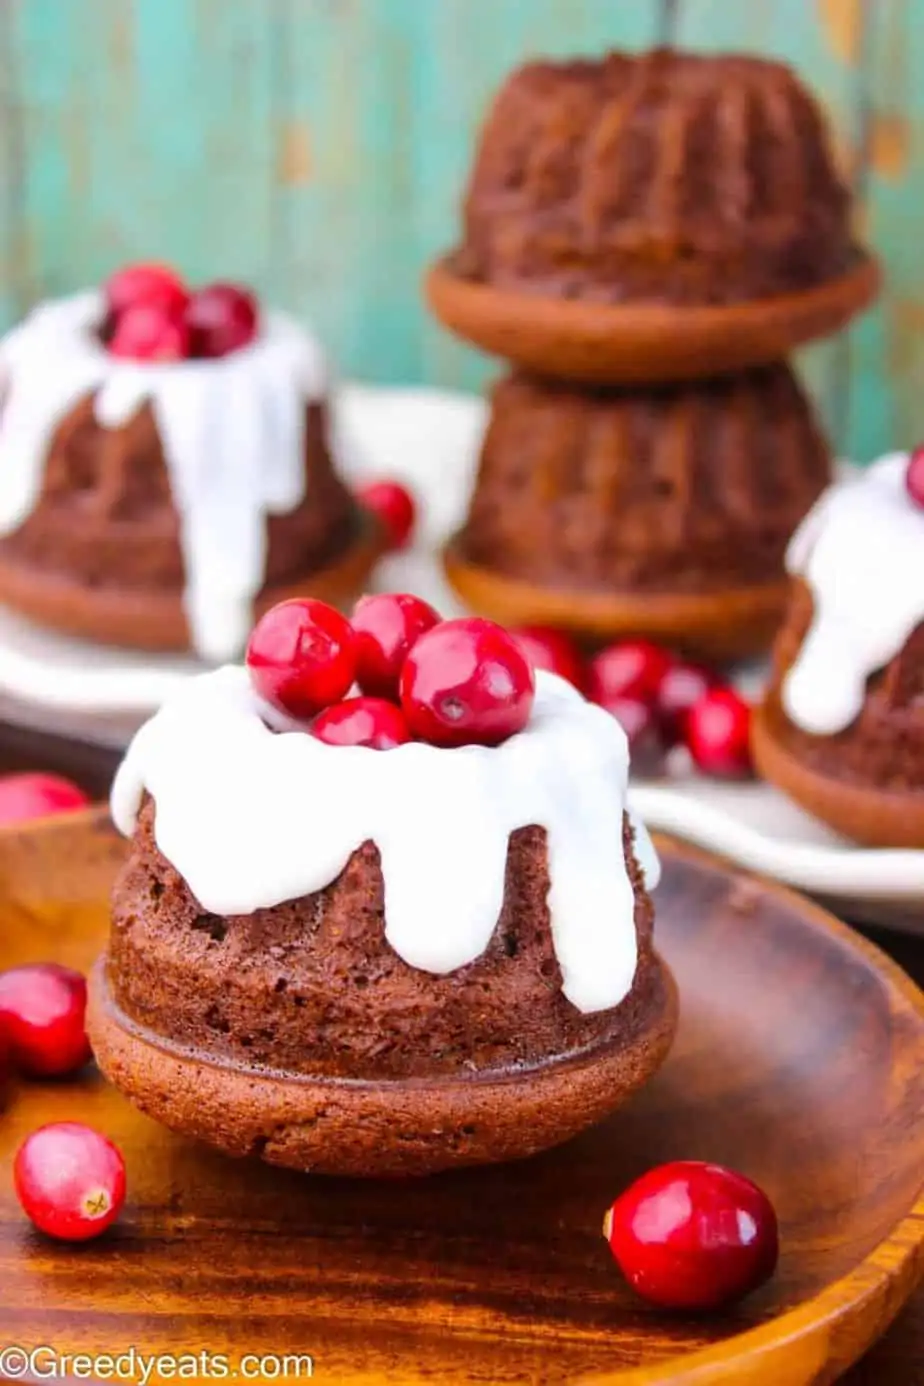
{"x": 696, "y": 188}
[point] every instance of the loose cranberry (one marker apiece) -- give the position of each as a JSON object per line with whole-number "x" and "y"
{"x": 682, "y": 685}
{"x": 369, "y": 722}
{"x": 467, "y": 682}
{"x": 386, "y": 627}
{"x": 914, "y": 476}
{"x": 395, "y": 507}
{"x": 629, "y": 669}
{"x": 553, "y": 650}
{"x": 70, "y": 1181}
{"x": 42, "y": 1010}
{"x": 36, "y": 795}
{"x": 149, "y": 332}
{"x": 690, "y": 1235}
{"x": 153, "y": 285}
{"x": 302, "y": 656}
{"x": 717, "y": 735}
{"x": 642, "y": 727}
{"x": 221, "y": 318}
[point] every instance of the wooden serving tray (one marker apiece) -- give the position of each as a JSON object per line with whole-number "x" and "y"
{"x": 800, "y": 1061}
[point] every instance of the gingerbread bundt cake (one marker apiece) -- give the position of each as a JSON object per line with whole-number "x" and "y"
{"x": 663, "y": 511}
{"x": 378, "y": 961}
{"x": 677, "y": 177}
{"x": 156, "y": 503}
{"x": 842, "y": 726}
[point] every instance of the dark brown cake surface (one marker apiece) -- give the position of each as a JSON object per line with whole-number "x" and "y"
{"x": 689, "y": 488}
{"x": 312, "y": 986}
{"x": 666, "y": 176}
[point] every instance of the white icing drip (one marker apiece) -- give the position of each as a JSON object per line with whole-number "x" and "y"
{"x": 232, "y": 431}
{"x": 861, "y": 552}
{"x": 251, "y": 818}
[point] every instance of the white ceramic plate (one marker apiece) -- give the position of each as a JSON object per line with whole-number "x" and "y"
{"x": 430, "y": 439}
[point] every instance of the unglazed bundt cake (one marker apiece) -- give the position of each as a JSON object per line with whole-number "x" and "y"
{"x": 678, "y": 177}
{"x": 157, "y": 502}
{"x": 378, "y": 961}
{"x": 842, "y": 726}
{"x": 618, "y": 511}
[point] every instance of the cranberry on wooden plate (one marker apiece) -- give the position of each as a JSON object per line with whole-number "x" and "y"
{"x": 70, "y": 1181}
{"x": 693, "y": 1236}
{"x": 629, "y": 669}
{"x": 33, "y": 794}
{"x": 467, "y": 682}
{"x": 717, "y": 734}
{"x": 682, "y": 686}
{"x": 552, "y": 650}
{"x": 302, "y": 656}
{"x": 221, "y": 318}
{"x": 151, "y": 285}
{"x": 914, "y": 476}
{"x": 42, "y": 1014}
{"x": 387, "y": 626}
{"x": 395, "y": 507}
{"x": 371, "y": 722}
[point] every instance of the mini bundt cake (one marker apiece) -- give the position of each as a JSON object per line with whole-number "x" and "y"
{"x": 156, "y": 503}
{"x": 678, "y": 177}
{"x": 842, "y": 727}
{"x": 378, "y": 961}
{"x": 661, "y": 511}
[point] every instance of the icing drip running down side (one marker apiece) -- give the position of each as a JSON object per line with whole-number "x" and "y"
{"x": 861, "y": 553}
{"x": 232, "y": 431}
{"x": 251, "y": 818}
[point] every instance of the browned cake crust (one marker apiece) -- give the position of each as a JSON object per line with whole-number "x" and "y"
{"x": 682, "y": 178}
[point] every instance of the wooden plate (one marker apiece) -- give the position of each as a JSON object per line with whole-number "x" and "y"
{"x": 800, "y": 1060}
{"x": 626, "y": 344}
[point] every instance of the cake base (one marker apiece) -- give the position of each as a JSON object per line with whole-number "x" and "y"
{"x": 642, "y": 342}
{"x": 725, "y": 625}
{"x": 378, "y": 1129}
{"x": 874, "y": 817}
{"x": 155, "y": 620}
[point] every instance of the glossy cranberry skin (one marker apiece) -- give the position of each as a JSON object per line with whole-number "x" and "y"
{"x": 554, "y": 651}
{"x": 682, "y": 686}
{"x": 42, "y": 1013}
{"x": 642, "y": 727}
{"x": 70, "y": 1181}
{"x": 629, "y": 669}
{"x": 718, "y": 734}
{"x": 371, "y": 722}
{"x": 394, "y": 506}
{"x": 149, "y": 332}
{"x": 387, "y": 626}
{"x": 152, "y": 285}
{"x": 693, "y": 1236}
{"x": 33, "y": 794}
{"x": 302, "y": 657}
{"x": 914, "y": 476}
{"x": 221, "y": 318}
{"x": 467, "y": 682}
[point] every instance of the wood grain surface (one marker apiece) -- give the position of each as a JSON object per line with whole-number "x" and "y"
{"x": 800, "y": 1060}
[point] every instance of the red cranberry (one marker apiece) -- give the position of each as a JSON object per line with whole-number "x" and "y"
{"x": 553, "y": 650}
{"x": 302, "y": 656}
{"x": 221, "y": 318}
{"x": 914, "y": 476}
{"x": 629, "y": 669}
{"x": 682, "y": 685}
{"x": 690, "y": 1235}
{"x": 369, "y": 722}
{"x": 155, "y": 286}
{"x": 718, "y": 733}
{"x": 466, "y": 682}
{"x": 395, "y": 507}
{"x": 36, "y": 795}
{"x": 640, "y": 723}
{"x": 149, "y": 332}
{"x": 70, "y": 1181}
{"x": 42, "y": 1009}
{"x": 386, "y": 627}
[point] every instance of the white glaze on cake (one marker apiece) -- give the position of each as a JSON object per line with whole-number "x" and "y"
{"x": 861, "y": 553}
{"x": 232, "y": 431}
{"x": 251, "y": 818}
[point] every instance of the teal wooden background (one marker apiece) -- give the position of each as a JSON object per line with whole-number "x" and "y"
{"x": 317, "y": 148}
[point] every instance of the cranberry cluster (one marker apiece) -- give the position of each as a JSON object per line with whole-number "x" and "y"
{"x": 151, "y": 315}
{"x": 660, "y": 700}
{"x": 448, "y": 683}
